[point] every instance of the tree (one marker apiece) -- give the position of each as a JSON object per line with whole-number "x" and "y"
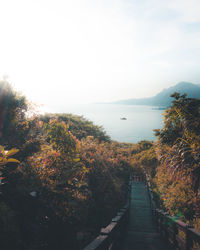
{"x": 79, "y": 126}
{"x": 13, "y": 125}
{"x": 178, "y": 147}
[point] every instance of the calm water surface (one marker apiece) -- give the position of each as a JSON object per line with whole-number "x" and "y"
{"x": 141, "y": 120}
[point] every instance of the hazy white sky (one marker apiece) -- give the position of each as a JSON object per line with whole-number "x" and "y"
{"x": 76, "y": 51}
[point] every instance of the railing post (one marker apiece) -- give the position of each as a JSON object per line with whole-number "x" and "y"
{"x": 175, "y": 232}
{"x": 189, "y": 242}
{"x": 159, "y": 221}
{"x": 166, "y": 220}
{"x": 162, "y": 224}
{"x": 111, "y": 237}
{"x": 170, "y": 231}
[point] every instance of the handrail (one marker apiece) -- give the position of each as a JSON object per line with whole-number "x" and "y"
{"x": 138, "y": 178}
{"x": 180, "y": 235}
{"x": 111, "y": 237}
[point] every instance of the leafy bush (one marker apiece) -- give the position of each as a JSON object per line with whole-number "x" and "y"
{"x": 79, "y": 126}
{"x": 71, "y": 178}
{"x": 178, "y": 145}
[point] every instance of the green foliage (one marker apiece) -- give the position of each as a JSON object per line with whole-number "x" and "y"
{"x": 5, "y": 154}
{"x": 79, "y": 126}
{"x": 61, "y": 138}
{"x": 178, "y": 146}
{"x": 146, "y": 161}
{"x": 12, "y": 116}
{"x": 9, "y": 230}
{"x": 108, "y": 173}
{"x": 71, "y": 177}
{"x": 181, "y": 121}
{"x": 81, "y": 182}
{"x": 142, "y": 158}
{"x": 5, "y": 159}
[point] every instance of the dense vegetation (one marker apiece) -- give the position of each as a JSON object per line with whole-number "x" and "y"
{"x": 173, "y": 161}
{"x": 178, "y": 147}
{"x": 68, "y": 179}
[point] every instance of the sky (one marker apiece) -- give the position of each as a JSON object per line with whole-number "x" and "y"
{"x": 84, "y": 51}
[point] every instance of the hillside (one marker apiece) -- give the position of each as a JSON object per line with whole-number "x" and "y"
{"x": 163, "y": 98}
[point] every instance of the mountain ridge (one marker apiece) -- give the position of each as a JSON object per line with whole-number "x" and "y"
{"x": 163, "y": 99}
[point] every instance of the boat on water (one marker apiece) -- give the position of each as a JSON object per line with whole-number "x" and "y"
{"x": 123, "y": 118}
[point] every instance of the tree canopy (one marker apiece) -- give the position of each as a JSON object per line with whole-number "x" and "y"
{"x": 178, "y": 147}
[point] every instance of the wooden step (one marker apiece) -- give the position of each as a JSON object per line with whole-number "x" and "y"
{"x": 142, "y": 232}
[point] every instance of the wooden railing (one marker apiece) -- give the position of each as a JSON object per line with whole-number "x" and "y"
{"x": 111, "y": 237}
{"x": 138, "y": 178}
{"x": 151, "y": 196}
{"x": 181, "y": 236}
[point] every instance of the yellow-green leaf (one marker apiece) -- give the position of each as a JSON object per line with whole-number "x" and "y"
{"x": 3, "y": 161}
{"x": 12, "y": 152}
{"x": 13, "y": 160}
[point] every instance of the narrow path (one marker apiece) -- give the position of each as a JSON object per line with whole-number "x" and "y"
{"x": 142, "y": 232}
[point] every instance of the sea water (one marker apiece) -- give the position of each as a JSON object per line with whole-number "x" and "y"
{"x": 138, "y": 125}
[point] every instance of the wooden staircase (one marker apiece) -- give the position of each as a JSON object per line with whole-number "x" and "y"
{"x": 134, "y": 227}
{"x": 142, "y": 231}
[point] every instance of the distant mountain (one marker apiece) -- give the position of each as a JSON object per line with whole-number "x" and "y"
{"x": 163, "y": 98}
